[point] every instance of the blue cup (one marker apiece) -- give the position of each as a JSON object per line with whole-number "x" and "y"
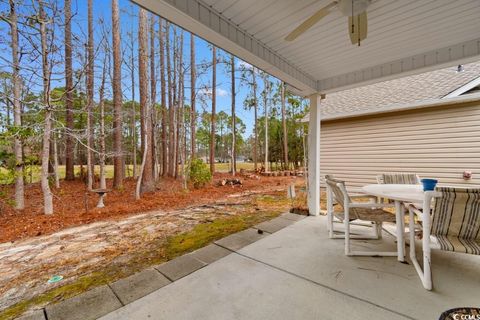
{"x": 429, "y": 184}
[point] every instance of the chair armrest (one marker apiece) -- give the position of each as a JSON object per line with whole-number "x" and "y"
{"x": 370, "y": 205}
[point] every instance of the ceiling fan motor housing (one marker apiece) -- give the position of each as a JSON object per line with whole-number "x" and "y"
{"x": 353, "y": 7}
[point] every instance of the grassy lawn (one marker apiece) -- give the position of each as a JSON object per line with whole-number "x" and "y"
{"x": 225, "y": 167}
{"x": 35, "y": 176}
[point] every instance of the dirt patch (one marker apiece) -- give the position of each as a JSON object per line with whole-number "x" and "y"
{"x": 98, "y": 247}
{"x": 72, "y": 198}
{"x": 101, "y": 252}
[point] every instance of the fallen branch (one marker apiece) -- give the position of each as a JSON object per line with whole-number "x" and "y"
{"x": 231, "y": 182}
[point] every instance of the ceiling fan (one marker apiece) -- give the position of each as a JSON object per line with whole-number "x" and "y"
{"x": 355, "y": 10}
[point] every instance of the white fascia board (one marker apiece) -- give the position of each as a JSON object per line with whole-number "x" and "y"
{"x": 205, "y": 22}
{"x": 470, "y": 85}
{"x": 461, "y": 53}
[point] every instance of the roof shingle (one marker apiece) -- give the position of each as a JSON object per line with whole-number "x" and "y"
{"x": 398, "y": 92}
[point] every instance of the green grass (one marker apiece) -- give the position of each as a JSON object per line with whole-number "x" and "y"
{"x": 219, "y": 167}
{"x": 35, "y": 177}
{"x": 206, "y": 233}
{"x": 225, "y": 167}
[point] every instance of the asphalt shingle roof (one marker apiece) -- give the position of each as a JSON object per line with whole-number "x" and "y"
{"x": 398, "y": 92}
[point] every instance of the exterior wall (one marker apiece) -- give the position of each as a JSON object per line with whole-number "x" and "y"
{"x": 433, "y": 142}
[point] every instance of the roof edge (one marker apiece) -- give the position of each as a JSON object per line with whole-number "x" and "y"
{"x": 410, "y": 106}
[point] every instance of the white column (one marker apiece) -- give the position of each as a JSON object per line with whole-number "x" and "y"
{"x": 314, "y": 156}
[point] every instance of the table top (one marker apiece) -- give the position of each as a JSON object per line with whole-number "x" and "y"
{"x": 402, "y": 192}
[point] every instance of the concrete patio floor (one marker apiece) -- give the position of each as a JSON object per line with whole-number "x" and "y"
{"x": 298, "y": 273}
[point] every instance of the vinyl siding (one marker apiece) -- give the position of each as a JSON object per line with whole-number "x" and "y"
{"x": 433, "y": 142}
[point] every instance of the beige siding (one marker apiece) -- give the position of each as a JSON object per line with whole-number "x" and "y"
{"x": 433, "y": 142}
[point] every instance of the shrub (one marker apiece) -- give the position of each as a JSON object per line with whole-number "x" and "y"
{"x": 199, "y": 173}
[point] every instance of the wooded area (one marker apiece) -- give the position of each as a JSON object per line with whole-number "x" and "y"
{"x": 70, "y": 75}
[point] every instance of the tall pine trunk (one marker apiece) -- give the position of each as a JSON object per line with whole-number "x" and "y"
{"x": 234, "y": 120}
{"x": 174, "y": 149}
{"x": 69, "y": 155}
{"x": 255, "y": 111}
{"x": 103, "y": 182}
{"x": 146, "y": 174}
{"x": 171, "y": 111}
{"x": 284, "y": 125}
{"x": 265, "y": 104}
{"x": 163, "y": 100}
{"x": 90, "y": 101}
{"x": 214, "y": 106}
{"x": 47, "y": 130}
{"x": 118, "y": 170}
{"x": 178, "y": 140}
{"x": 133, "y": 111}
{"x": 153, "y": 95}
{"x": 181, "y": 116}
{"x": 193, "y": 115}
{"x": 17, "y": 111}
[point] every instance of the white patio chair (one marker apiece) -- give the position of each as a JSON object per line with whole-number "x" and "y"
{"x": 332, "y": 219}
{"x": 453, "y": 226}
{"x": 398, "y": 178}
{"x": 372, "y": 212}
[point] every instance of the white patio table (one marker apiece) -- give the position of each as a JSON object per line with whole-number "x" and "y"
{"x": 399, "y": 193}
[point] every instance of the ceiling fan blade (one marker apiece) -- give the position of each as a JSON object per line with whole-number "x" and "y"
{"x": 307, "y": 24}
{"x": 358, "y": 27}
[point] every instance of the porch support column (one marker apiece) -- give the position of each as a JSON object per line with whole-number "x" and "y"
{"x": 314, "y": 155}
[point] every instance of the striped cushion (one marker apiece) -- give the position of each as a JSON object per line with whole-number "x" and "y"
{"x": 400, "y": 178}
{"x": 456, "y": 220}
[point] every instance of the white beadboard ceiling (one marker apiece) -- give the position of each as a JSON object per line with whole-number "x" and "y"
{"x": 404, "y": 37}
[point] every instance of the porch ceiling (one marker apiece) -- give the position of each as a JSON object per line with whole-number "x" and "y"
{"x": 404, "y": 37}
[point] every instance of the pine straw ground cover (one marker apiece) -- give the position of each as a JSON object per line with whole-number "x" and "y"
{"x": 127, "y": 243}
{"x": 72, "y": 199}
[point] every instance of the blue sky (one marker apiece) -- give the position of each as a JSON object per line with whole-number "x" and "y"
{"x": 102, "y": 10}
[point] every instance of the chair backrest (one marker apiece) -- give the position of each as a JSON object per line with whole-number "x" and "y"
{"x": 338, "y": 193}
{"x": 398, "y": 178}
{"x": 456, "y": 213}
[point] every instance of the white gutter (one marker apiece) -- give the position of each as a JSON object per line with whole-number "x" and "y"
{"x": 455, "y": 93}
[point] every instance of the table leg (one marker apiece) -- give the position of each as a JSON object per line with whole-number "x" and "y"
{"x": 400, "y": 230}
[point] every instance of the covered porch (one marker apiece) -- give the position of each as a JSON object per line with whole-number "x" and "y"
{"x": 299, "y": 272}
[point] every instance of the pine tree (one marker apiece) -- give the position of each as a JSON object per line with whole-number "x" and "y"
{"x": 17, "y": 110}
{"x": 90, "y": 102}
{"x": 118, "y": 170}
{"x": 69, "y": 156}
{"x": 47, "y": 129}
{"x": 146, "y": 174}
{"x": 214, "y": 105}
